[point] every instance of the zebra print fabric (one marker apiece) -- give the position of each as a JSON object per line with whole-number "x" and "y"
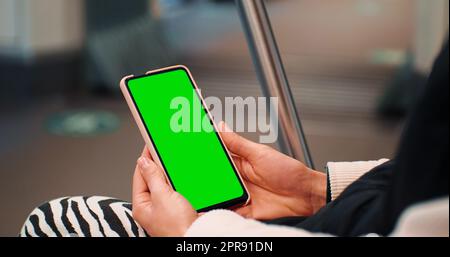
{"x": 79, "y": 216}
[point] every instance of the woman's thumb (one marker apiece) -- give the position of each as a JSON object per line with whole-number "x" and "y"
{"x": 153, "y": 176}
{"x": 235, "y": 143}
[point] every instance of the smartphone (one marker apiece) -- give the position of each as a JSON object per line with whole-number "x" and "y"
{"x": 195, "y": 161}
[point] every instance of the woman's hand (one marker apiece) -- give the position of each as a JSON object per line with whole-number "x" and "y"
{"x": 279, "y": 185}
{"x": 156, "y": 206}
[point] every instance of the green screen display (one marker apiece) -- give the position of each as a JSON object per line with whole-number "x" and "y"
{"x": 195, "y": 160}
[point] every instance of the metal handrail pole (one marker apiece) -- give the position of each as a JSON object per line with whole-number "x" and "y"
{"x": 272, "y": 77}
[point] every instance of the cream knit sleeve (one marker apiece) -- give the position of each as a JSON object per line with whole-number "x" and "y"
{"x": 342, "y": 174}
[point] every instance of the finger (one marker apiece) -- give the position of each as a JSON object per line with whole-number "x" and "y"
{"x": 235, "y": 143}
{"x": 140, "y": 192}
{"x": 242, "y": 167}
{"x": 139, "y": 185}
{"x": 146, "y": 153}
{"x": 244, "y": 211}
{"x": 237, "y": 161}
{"x": 153, "y": 176}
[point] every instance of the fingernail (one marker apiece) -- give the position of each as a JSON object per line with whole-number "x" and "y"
{"x": 221, "y": 125}
{"x": 224, "y": 127}
{"x": 144, "y": 162}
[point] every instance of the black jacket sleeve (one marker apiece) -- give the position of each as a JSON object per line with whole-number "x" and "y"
{"x": 419, "y": 172}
